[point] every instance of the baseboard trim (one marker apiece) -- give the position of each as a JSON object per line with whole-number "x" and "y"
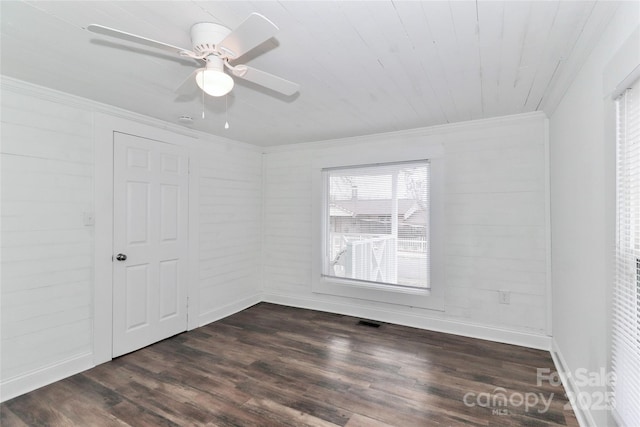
{"x": 229, "y": 309}
{"x": 41, "y": 377}
{"x": 541, "y": 342}
{"x": 585, "y": 419}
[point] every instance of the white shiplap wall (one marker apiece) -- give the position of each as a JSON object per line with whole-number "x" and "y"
{"x": 230, "y": 223}
{"x": 287, "y": 222}
{"x": 48, "y": 169}
{"x": 47, "y": 251}
{"x": 495, "y": 228}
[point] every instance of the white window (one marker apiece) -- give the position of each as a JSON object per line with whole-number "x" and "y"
{"x": 626, "y": 297}
{"x": 376, "y": 224}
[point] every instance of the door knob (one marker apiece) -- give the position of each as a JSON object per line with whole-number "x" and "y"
{"x": 121, "y": 257}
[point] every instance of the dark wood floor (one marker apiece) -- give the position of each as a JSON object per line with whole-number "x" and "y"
{"x": 272, "y": 365}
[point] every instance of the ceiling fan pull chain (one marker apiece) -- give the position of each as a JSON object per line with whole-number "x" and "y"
{"x": 226, "y": 111}
{"x": 202, "y": 96}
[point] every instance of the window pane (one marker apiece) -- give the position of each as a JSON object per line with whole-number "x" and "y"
{"x": 377, "y": 223}
{"x": 626, "y": 295}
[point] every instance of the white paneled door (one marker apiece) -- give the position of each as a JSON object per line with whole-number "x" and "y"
{"x": 150, "y": 242}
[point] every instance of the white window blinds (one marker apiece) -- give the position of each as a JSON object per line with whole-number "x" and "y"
{"x": 377, "y": 223}
{"x": 626, "y": 298}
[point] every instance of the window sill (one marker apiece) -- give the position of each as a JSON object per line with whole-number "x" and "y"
{"x": 340, "y": 281}
{"x": 387, "y": 294}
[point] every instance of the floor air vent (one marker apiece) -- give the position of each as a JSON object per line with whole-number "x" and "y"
{"x": 369, "y": 323}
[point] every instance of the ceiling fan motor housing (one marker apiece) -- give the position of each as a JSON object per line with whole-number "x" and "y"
{"x": 206, "y": 35}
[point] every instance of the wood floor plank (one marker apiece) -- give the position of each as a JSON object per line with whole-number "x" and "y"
{"x": 36, "y": 410}
{"x": 282, "y": 415}
{"x": 309, "y": 404}
{"x": 273, "y": 365}
{"x": 7, "y": 417}
{"x": 158, "y": 397}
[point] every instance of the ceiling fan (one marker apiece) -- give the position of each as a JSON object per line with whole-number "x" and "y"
{"x": 217, "y": 45}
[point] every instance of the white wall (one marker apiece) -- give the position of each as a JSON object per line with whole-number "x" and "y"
{"x": 47, "y": 278}
{"x": 582, "y": 174}
{"x": 229, "y": 236}
{"x": 495, "y": 227}
{"x": 47, "y": 252}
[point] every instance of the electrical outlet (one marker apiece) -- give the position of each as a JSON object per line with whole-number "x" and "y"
{"x": 504, "y": 297}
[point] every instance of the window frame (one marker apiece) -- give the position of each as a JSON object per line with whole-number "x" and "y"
{"x": 328, "y": 286}
{"x": 619, "y": 73}
{"x": 625, "y": 311}
{"x": 326, "y": 201}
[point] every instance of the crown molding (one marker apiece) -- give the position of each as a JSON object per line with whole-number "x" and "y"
{"x": 11, "y": 84}
{"x": 444, "y": 129}
{"x": 52, "y": 95}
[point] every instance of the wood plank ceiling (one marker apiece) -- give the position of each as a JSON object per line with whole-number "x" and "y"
{"x": 363, "y": 67}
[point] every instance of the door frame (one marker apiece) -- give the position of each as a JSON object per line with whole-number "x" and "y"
{"x": 104, "y": 128}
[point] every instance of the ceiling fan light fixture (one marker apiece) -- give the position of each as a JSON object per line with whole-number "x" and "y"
{"x": 214, "y": 82}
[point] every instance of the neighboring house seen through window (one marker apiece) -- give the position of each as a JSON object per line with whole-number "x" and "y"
{"x": 376, "y": 224}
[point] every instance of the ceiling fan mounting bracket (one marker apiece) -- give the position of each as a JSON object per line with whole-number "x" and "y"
{"x": 205, "y": 36}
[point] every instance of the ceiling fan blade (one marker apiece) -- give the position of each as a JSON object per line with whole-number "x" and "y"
{"x": 267, "y": 80}
{"x": 252, "y": 32}
{"x": 112, "y": 32}
{"x": 187, "y": 86}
